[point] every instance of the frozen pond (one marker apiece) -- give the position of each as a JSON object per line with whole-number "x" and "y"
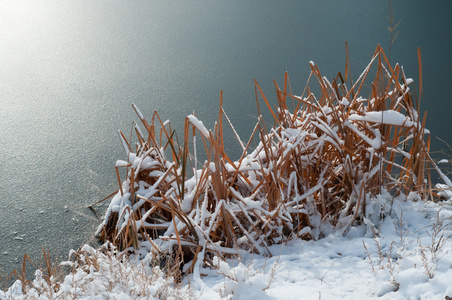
{"x": 69, "y": 71}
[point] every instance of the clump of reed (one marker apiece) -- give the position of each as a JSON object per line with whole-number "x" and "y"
{"x": 314, "y": 169}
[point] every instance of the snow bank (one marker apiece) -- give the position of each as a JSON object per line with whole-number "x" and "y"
{"x": 406, "y": 255}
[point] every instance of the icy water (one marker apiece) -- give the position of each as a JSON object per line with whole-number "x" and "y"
{"x": 69, "y": 71}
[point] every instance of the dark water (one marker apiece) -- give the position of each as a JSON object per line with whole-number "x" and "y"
{"x": 69, "y": 71}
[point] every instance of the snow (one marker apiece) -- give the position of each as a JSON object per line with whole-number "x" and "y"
{"x": 390, "y": 117}
{"x": 121, "y": 163}
{"x": 344, "y": 102}
{"x": 198, "y": 125}
{"x": 405, "y": 255}
{"x": 140, "y": 115}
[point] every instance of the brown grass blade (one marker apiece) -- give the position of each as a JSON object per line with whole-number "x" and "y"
{"x": 419, "y": 59}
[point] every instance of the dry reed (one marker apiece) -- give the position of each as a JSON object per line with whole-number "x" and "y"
{"x": 315, "y": 169}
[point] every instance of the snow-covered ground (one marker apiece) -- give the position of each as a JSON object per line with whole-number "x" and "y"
{"x": 402, "y": 250}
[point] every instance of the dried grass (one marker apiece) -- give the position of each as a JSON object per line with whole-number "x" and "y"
{"x": 313, "y": 170}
